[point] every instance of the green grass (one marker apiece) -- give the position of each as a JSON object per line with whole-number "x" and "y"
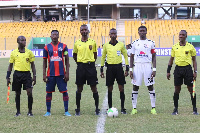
{"x": 141, "y": 122}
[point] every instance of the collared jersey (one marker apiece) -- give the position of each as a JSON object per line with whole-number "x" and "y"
{"x": 114, "y": 53}
{"x": 22, "y": 60}
{"x": 55, "y": 56}
{"x": 183, "y": 54}
{"x": 85, "y": 50}
{"x": 143, "y": 50}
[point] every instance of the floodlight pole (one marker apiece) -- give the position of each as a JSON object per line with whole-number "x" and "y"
{"x": 88, "y": 12}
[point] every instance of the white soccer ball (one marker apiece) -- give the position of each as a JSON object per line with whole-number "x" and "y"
{"x": 112, "y": 112}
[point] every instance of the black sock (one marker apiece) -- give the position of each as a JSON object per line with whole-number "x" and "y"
{"x": 78, "y": 99}
{"x": 96, "y": 98}
{"x": 176, "y": 97}
{"x": 30, "y": 103}
{"x": 110, "y": 99}
{"x": 193, "y": 100}
{"x": 122, "y": 97}
{"x": 17, "y": 100}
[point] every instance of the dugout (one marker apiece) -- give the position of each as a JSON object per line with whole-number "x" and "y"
{"x": 39, "y": 42}
{"x": 194, "y": 40}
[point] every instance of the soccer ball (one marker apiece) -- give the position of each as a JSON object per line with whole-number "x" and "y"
{"x": 112, "y": 112}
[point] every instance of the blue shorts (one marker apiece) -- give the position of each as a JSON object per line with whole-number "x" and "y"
{"x": 53, "y": 80}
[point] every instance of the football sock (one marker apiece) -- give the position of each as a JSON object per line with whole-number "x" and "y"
{"x": 30, "y": 103}
{"x": 96, "y": 98}
{"x": 110, "y": 99}
{"x": 78, "y": 99}
{"x": 134, "y": 98}
{"x": 65, "y": 100}
{"x": 152, "y": 98}
{"x": 48, "y": 101}
{"x": 122, "y": 97}
{"x": 176, "y": 97}
{"x": 17, "y": 100}
{"x": 193, "y": 100}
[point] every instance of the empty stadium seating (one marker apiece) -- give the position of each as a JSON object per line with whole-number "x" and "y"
{"x": 163, "y": 32}
{"x": 69, "y": 31}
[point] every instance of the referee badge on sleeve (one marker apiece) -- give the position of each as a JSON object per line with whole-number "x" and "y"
{"x": 90, "y": 47}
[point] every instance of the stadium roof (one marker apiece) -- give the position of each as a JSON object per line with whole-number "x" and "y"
{"x": 42, "y": 4}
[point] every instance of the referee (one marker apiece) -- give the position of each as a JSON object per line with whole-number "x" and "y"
{"x": 85, "y": 55}
{"x": 113, "y": 50}
{"x": 22, "y": 58}
{"x": 184, "y": 54}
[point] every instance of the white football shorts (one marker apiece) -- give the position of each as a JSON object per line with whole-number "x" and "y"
{"x": 140, "y": 71}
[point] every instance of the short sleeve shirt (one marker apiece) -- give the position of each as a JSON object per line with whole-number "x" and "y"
{"x": 22, "y": 60}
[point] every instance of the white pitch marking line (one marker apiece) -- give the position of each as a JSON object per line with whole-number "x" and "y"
{"x": 102, "y": 118}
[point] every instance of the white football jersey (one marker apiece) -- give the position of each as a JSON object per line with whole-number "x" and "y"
{"x": 143, "y": 49}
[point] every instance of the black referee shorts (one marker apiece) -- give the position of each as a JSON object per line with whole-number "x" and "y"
{"x": 183, "y": 73}
{"x": 21, "y": 78}
{"x": 115, "y": 71}
{"x": 86, "y": 71}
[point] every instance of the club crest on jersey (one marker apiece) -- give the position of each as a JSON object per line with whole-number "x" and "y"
{"x": 56, "y": 58}
{"x": 146, "y": 46}
{"x": 60, "y": 49}
{"x": 118, "y": 53}
{"x": 27, "y": 60}
{"x": 186, "y": 52}
{"x": 90, "y": 47}
{"x": 142, "y": 54}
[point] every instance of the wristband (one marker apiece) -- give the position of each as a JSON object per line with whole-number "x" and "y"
{"x": 127, "y": 67}
{"x": 101, "y": 69}
{"x": 131, "y": 69}
{"x": 169, "y": 69}
{"x": 8, "y": 74}
{"x": 154, "y": 69}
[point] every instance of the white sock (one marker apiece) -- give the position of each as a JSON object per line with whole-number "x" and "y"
{"x": 152, "y": 98}
{"x": 134, "y": 98}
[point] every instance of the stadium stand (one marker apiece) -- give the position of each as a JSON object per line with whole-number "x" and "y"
{"x": 69, "y": 31}
{"x": 163, "y": 32}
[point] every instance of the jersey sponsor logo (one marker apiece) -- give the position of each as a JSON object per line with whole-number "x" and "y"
{"x": 60, "y": 49}
{"x": 56, "y": 58}
{"x": 142, "y": 54}
{"x": 55, "y": 52}
{"x": 118, "y": 53}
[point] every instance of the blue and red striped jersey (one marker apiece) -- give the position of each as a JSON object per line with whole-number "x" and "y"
{"x": 55, "y": 56}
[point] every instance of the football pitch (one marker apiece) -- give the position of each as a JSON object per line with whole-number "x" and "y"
{"x": 142, "y": 122}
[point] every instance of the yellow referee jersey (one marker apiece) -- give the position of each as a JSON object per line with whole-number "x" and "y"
{"x": 22, "y": 60}
{"x": 85, "y": 50}
{"x": 114, "y": 53}
{"x": 183, "y": 54}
